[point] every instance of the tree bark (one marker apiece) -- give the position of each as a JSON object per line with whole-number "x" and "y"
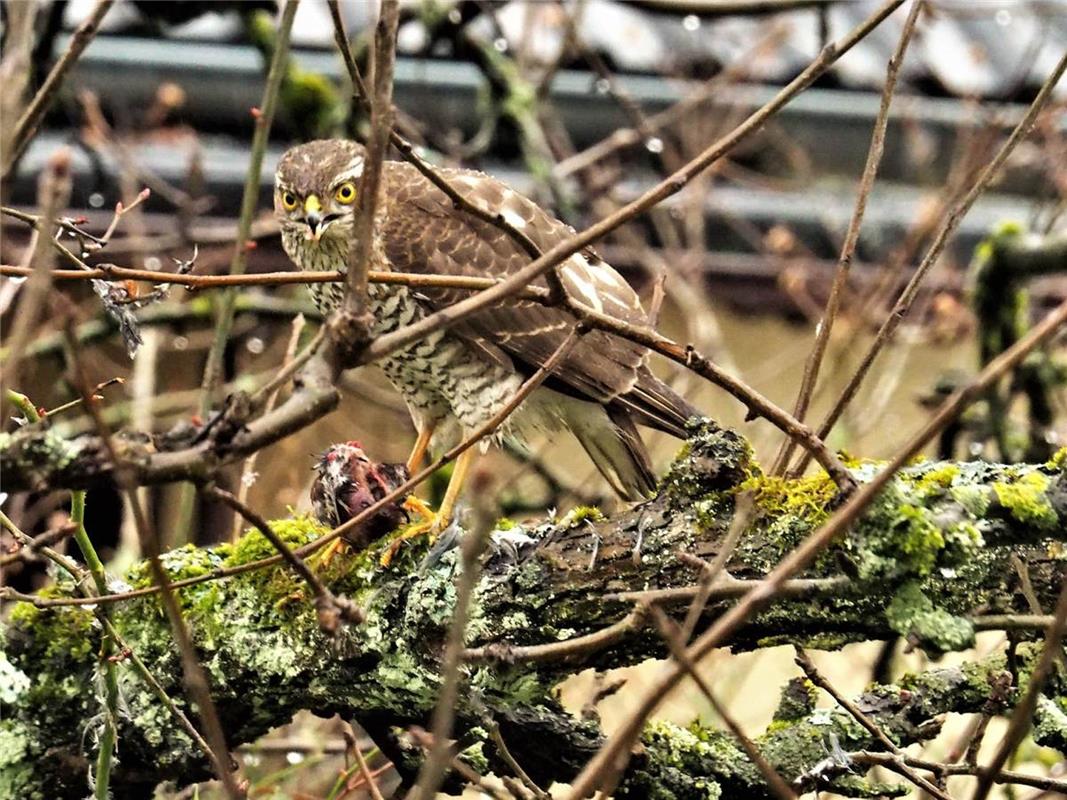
{"x": 931, "y": 560}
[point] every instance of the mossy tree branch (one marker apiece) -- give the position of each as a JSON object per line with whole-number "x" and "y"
{"x": 931, "y": 557}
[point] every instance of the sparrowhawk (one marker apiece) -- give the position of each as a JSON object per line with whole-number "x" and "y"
{"x": 455, "y": 380}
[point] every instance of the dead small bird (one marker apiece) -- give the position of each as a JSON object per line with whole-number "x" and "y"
{"x": 347, "y": 482}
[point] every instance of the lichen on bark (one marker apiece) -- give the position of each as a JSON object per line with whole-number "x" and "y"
{"x": 944, "y": 533}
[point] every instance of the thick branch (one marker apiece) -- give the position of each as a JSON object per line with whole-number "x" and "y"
{"x": 940, "y": 530}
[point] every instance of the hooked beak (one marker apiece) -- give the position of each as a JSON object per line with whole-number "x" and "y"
{"x": 313, "y": 217}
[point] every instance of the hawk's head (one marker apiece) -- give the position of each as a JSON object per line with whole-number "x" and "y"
{"x": 315, "y": 188}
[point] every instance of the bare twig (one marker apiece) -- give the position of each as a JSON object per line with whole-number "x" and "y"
{"x": 53, "y": 193}
{"x": 948, "y": 227}
{"x": 567, "y": 650}
{"x": 109, "y": 735}
{"x": 289, "y": 369}
{"x": 332, "y": 610}
{"x": 432, "y": 773}
{"x": 743, "y": 507}
{"x": 948, "y": 770}
{"x": 248, "y": 469}
{"x": 413, "y": 279}
{"x": 852, "y": 235}
{"x": 27, "y": 124}
{"x": 407, "y": 152}
{"x": 614, "y": 754}
{"x": 515, "y": 766}
{"x": 670, "y": 633}
{"x": 671, "y": 185}
{"x": 352, "y": 325}
{"x": 804, "y": 661}
{"x": 364, "y": 770}
{"x": 81, "y": 578}
{"x": 195, "y": 678}
{"x": 1020, "y": 718}
{"x": 249, "y": 200}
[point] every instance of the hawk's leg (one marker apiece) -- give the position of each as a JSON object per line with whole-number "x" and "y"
{"x": 455, "y": 486}
{"x": 326, "y": 556}
{"x": 433, "y": 523}
{"x": 419, "y": 450}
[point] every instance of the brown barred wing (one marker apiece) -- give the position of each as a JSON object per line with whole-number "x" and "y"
{"x": 424, "y": 233}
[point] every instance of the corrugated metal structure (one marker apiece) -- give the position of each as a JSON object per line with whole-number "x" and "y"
{"x": 801, "y": 170}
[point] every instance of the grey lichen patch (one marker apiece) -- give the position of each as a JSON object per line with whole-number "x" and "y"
{"x": 17, "y": 767}
{"x": 33, "y": 456}
{"x": 711, "y": 460}
{"x": 928, "y": 517}
{"x": 913, "y": 614}
{"x": 676, "y": 761}
{"x": 1050, "y": 723}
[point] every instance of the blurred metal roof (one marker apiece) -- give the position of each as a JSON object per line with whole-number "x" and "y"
{"x": 985, "y": 49}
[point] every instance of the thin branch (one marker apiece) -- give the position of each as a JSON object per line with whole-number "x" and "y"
{"x": 671, "y": 634}
{"x": 53, "y": 193}
{"x": 573, "y": 649}
{"x": 803, "y": 660}
{"x": 114, "y": 273}
{"x": 664, "y": 189}
{"x": 195, "y": 678}
{"x": 948, "y": 770}
{"x": 432, "y": 773}
{"x": 743, "y": 508}
{"x": 947, "y": 229}
{"x": 332, "y": 609}
{"x": 515, "y": 766}
{"x": 852, "y": 235}
{"x": 249, "y": 201}
{"x": 289, "y": 369}
{"x": 106, "y": 745}
{"x": 729, "y": 588}
{"x": 1024, "y": 709}
{"x": 689, "y": 357}
{"x": 614, "y": 754}
{"x": 81, "y": 577}
{"x": 31, "y": 118}
{"x": 352, "y": 326}
{"x": 248, "y": 469}
{"x": 407, "y": 152}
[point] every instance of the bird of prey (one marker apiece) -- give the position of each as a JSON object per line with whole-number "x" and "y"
{"x": 455, "y": 380}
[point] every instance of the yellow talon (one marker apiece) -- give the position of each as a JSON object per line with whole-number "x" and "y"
{"x": 430, "y": 525}
{"x": 332, "y": 549}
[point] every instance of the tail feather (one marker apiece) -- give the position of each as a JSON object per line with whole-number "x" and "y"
{"x": 616, "y": 449}
{"x": 657, "y": 405}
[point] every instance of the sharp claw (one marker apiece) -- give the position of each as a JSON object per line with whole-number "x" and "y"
{"x": 430, "y": 525}
{"x": 332, "y": 549}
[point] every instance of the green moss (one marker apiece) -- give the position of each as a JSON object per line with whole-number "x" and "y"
{"x": 912, "y": 613}
{"x": 941, "y": 477}
{"x": 1058, "y": 462}
{"x": 505, "y": 524}
{"x": 60, "y": 635}
{"x": 920, "y": 539}
{"x": 798, "y": 700}
{"x": 808, "y": 498}
{"x": 580, "y": 514}
{"x": 295, "y": 532}
{"x": 1027, "y": 499}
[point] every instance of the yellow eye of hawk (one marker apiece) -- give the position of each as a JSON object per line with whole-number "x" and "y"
{"x": 346, "y": 193}
{"x": 288, "y": 201}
